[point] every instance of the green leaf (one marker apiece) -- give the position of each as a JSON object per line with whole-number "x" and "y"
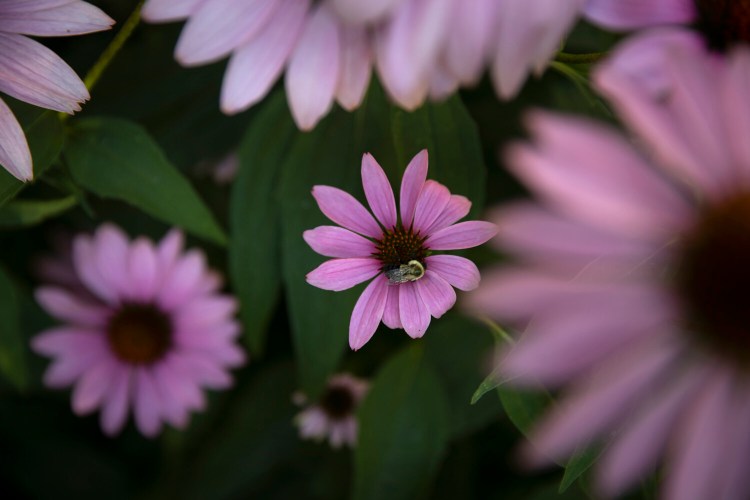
{"x": 254, "y": 257}
{"x": 494, "y": 379}
{"x": 12, "y": 349}
{"x": 579, "y": 463}
{"x": 523, "y": 407}
{"x": 118, "y": 159}
{"x": 29, "y": 212}
{"x": 403, "y": 429}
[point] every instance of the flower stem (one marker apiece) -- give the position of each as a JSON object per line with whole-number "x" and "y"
{"x": 590, "y": 58}
{"x": 497, "y": 331}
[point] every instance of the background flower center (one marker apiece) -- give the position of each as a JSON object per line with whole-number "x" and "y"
{"x": 724, "y": 22}
{"x": 399, "y": 246}
{"x": 337, "y": 402}
{"x": 714, "y": 277}
{"x": 139, "y": 333}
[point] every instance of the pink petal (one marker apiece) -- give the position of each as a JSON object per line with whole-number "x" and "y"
{"x": 367, "y": 313}
{"x": 458, "y": 271}
{"x": 85, "y": 259}
{"x": 168, "y": 10}
{"x": 183, "y": 280}
{"x": 75, "y": 352}
{"x": 115, "y": 405}
{"x": 735, "y": 480}
{"x": 736, "y": 109}
{"x": 415, "y": 316}
{"x": 32, "y": 73}
{"x": 217, "y": 27}
{"x": 180, "y": 385}
{"x": 51, "y": 18}
{"x": 257, "y": 64}
{"x": 633, "y": 14}
{"x": 457, "y": 208}
{"x": 93, "y": 386}
{"x": 363, "y": 11}
{"x": 391, "y": 314}
{"x": 462, "y": 235}
{"x": 436, "y": 293}
{"x": 203, "y": 370}
{"x": 356, "y": 67}
{"x": 378, "y": 191}
{"x": 111, "y": 247}
{"x": 432, "y": 200}
{"x": 472, "y": 31}
{"x": 146, "y": 404}
{"x": 341, "y": 274}
{"x": 343, "y": 209}
{"x": 411, "y": 185}
{"x": 142, "y": 270}
{"x": 15, "y": 156}
{"x": 313, "y": 71}
{"x": 205, "y": 312}
{"x": 172, "y": 409}
{"x": 334, "y": 241}
{"x": 67, "y": 307}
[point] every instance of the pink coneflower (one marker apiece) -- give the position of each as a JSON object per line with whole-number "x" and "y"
{"x": 333, "y": 416}
{"x": 145, "y": 328}
{"x": 411, "y": 284}
{"x": 33, "y": 73}
{"x": 633, "y": 282}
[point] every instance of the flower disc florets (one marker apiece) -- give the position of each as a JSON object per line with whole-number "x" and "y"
{"x": 139, "y": 333}
{"x": 400, "y": 246}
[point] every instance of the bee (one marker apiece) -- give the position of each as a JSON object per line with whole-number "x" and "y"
{"x": 405, "y": 272}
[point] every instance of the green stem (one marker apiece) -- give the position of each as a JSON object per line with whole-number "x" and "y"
{"x": 497, "y": 331}
{"x": 590, "y": 58}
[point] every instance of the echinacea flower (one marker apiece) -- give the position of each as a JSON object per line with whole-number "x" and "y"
{"x": 334, "y": 415}
{"x": 632, "y": 286}
{"x": 145, "y": 328}
{"x": 33, "y": 73}
{"x": 410, "y": 283}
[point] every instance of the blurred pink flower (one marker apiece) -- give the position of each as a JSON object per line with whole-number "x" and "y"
{"x": 33, "y": 73}
{"x": 632, "y": 285}
{"x": 334, "y": 415}
{"x": 144, "y": 328}
{"x": 410, "y": 284}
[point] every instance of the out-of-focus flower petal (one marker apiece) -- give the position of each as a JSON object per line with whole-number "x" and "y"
{"x": 155, "y": 11}
{"x": 14, "y": 151}
{"x": 356, "y": 67}
{"x": 631, "y": 14}
{"x": 363, "y": 11}
{"x": 51, "y": 17}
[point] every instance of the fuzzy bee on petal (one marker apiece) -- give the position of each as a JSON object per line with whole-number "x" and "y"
{"x": 411, "y": 271}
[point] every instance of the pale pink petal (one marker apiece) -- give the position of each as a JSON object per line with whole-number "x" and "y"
{"x": 204, "y": 312}
{"x": 462, "y": 235}
{"x": 458, "y": 271}
{"x": 111, "y": 254}
{"x": 473, "y": 28}
{"x": 442, "y": 83}
{"x": 15, "y": 156}
{"x": 436, "y": 293}
{"x": 146, "y": 404}
{"x": 736, "y": 109}
{"x": 313, "y": 71}
{"x": 217, "y": 27}
{"x": 363, "y": 11}
{"x": 183, "y": 280}
{"x": 391, "y": 314}
{"x": 173, "y": 410}
{"x": 142, "y": 270}
{"x": 65, "y": 306}
{"x": 168, "y": 10}
{"x": 257, "y": 64}
{"x": 334, "y": 241}
{"x": 415, "y": 316}
{"x": 431, "y": 202}
{"x": 735, "y": 482}
{"x": 93, "y": 386}
{"x": 343, "y": 209}
{"x": 64, "y": 340}
{"x": 367, "y": 313}
{"x": 378, "y": 191}
{"x": 168, "y": 252}
{"x": 411, "y": 185}
{"x": 115, "y": 405}
{"x": 51, "y": 17}
{"x": 341, "y": 274}
{"x": 356, "y": 67}
{"x": 457, "y": 208}
{"x": 202, "y": 370}
{"x": 32, "y": 73}
{"x": 632, "y": 14}
{"x": 180, "y": 384}
{"x": 85, "y": 260}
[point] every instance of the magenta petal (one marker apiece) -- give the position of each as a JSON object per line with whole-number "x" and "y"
{"x": 462, "y": 235}
{"x": 633, "y": 14}
{"x": 457, "y": 208}
{"x": 411, "y": 185}
{"x": 115, "y": 406}
{"x": 15, "y": 156}
{"x": 313, "y": 71}
{"x": 356, "y": 66}
{"x": 367, "y": 313}
{"x": 458, "y": 271}
{"x": 391, "y": 314}
{"x": 343, "y": 209}
{"x": 415, "y": 316}
{"x": 378, "y": 191}
{"x": 432, "y": 200}
{"x": 334, "y": 241}
{"x": 436, "y": 293}
{"x": 341, "y": 274}
{"x": 146, "y": 403}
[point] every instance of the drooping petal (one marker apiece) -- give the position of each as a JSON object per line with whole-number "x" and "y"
{"x": 257, "y": 64}
{"x": 473, "y": 28}
{"x": 183, "y": 281}
{"x": 15, "y": 155}
{"x": 458, "y": 271}
{"x": 736, "y": 108}
{"x": 363, "y": 11}
{"x": 341, "y": 274}
{"x": 217, "y": 27}
{"x": 156, "y": 11}
{"x": 334, "y": 241}
{"x": 378, "y": 191}
{"x": 142, "y": 269}
{"x": 116, "y": 403}
{"x": 462, "y": 235}
{"x": 146, "y": 403}
{"x": 431, "y": 202}
{"x": 633, "y": 14}
{"x": 391, "y": 314}
{"x": 356, "y": 67}
{"x": 51, "y": 18}
{"x": 111, "y": 254}
{"x": 415, "y": 316}
{"x": 411, "y": 185}
{"x": 343, "y": 209}
{"x": 32, "y": 73}
{"x": 436, "y": 293}
{"x": 313, "y": 71}
{"x": 457, "y": 208}
{"x": 367, "y": 313}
